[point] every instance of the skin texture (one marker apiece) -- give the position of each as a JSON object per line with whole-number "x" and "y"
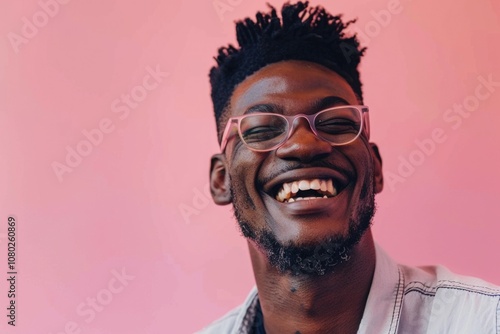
{"x": 331, "y": 301}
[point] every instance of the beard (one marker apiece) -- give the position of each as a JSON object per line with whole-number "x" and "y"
{"x": 312, "y": 259}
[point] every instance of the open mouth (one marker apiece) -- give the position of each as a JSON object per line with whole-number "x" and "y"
{"x": 299, "y": 190}
{"x": 311, "y": 186}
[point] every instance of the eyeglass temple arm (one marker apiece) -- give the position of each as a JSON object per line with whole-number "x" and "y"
{"x": 366, "y": 123}
{"x": 226, "y": 134}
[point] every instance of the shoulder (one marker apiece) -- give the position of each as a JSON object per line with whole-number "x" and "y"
{"x": 429, "y": 299}
{"x": 232, "y": 321}
{"x": 446, "y": 301}
{"x": 430, "y": 279}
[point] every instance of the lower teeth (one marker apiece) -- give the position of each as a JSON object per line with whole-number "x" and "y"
{"x": 291, "y": 200}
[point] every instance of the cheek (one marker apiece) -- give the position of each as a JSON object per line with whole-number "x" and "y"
{"x": 243, "y": 175}
{"x": 245, "y": 164}
{"x": 365, "y": 177}
{"x": 361, "y": 157}
{"x": 361, "y": 160}
{"x": 242, "y": 166}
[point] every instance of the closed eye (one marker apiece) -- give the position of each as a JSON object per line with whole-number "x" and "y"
{"x": 261, "y": 133}
{"x": 337, "y": 125}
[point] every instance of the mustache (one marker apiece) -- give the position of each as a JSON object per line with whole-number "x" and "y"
{"x": 293, "y": 166}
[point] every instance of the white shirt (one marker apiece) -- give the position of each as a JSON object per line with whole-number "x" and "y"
{"x": 405, "y": 300}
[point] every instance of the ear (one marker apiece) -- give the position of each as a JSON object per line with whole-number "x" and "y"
{"x": 378, "y": 176}
{"x": 219, "y": 180}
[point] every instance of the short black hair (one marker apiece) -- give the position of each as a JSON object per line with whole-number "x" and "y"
{"x": 303, "y": 33}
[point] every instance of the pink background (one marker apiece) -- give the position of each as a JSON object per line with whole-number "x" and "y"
{"x": 120, "y": 207}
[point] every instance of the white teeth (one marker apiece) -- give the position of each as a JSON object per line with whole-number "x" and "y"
{"x": 304, "y": 185}
{"x": 288, "y": 191}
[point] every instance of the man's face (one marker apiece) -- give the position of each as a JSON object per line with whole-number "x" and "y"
{"x": 317, "y": 230}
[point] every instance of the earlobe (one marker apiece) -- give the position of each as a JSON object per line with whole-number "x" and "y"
{"x": 378, "y": 176}
{"x": 219, "y": 180}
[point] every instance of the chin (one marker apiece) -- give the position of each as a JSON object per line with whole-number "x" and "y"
{"x": 315, "y": 258}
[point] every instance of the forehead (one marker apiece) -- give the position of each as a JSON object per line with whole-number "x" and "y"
{"x": 293, "y": 85}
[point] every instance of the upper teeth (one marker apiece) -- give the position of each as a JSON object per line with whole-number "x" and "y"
{"x": 288, "y": 190}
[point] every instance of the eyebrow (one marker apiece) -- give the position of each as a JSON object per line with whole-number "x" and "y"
{"x": 317, "y": 105}
{"x": 265, "y": 107}
{"x": 327, "y": 102}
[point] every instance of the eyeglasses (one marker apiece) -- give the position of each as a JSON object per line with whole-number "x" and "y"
{"x": 263, "y": 132}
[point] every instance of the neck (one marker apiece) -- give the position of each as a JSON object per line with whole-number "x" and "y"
{"x": 332, "y": 303}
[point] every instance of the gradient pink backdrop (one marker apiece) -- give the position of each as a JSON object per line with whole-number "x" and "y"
{"x": 120, "y": 207}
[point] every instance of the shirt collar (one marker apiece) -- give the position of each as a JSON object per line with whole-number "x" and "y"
{"x": 385, "y": 299}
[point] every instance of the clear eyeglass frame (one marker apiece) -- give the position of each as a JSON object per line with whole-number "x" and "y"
{"x": 364, "y": 127}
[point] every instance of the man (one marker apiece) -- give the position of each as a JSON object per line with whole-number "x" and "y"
{"x": 297, "y": 166}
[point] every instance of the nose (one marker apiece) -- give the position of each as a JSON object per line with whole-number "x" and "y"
{"x": 303, "y": 145}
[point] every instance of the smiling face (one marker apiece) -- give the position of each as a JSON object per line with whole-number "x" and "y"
{"x": 279, "y": 196}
